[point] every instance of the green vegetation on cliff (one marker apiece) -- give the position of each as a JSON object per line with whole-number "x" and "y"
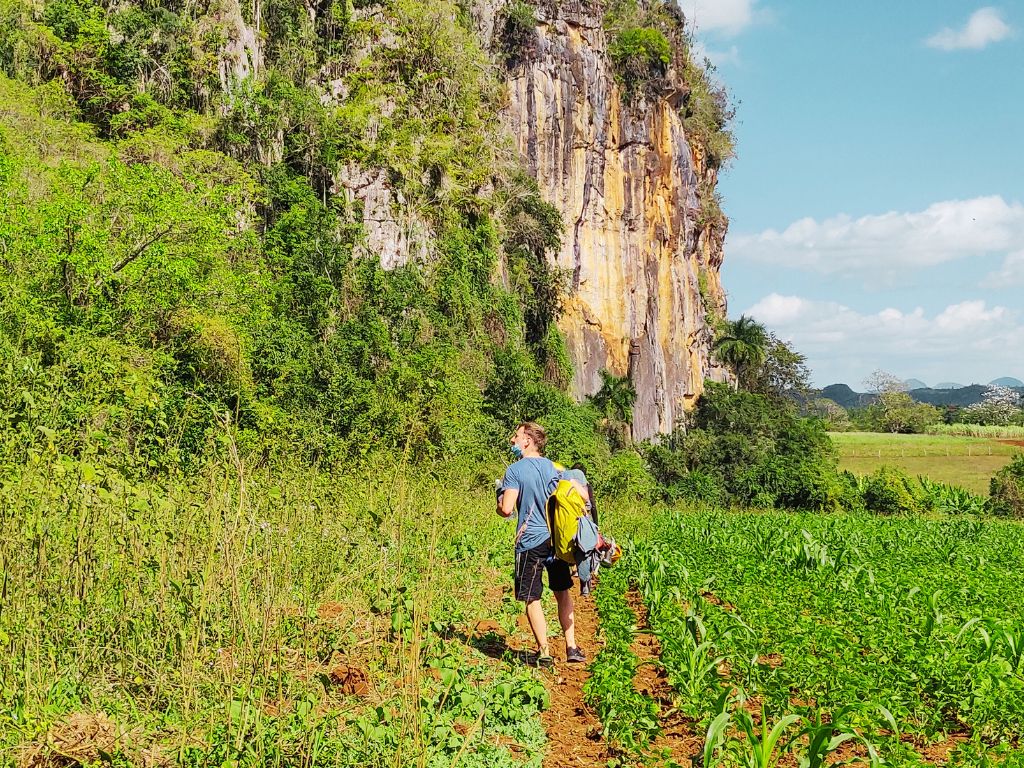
{"x": 194, "y": 240}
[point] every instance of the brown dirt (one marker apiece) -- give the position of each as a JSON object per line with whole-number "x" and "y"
{"x": 574, "y": 732}
{"x": 937, "y": 753}
{"x": 76, "y": 740}
{"x": 678, "y": 740}
{"x": 714, "y": 599}
{"x": 350, "y": 681}
{"x": 1011, "y": 442}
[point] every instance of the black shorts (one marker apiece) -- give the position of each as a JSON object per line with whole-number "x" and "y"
{"x": 529, "y": 566}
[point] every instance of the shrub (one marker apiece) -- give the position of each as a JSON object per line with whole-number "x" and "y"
{"x": 1006, "y": 489}
{"x": 707, "y": 113}
{"x": 897, "y": 412}
{"x": 745, "y": 448}
{"x": 701, "y": 487}
{"x": 625, "y": 476}
{"x": 210, "y": 351}
{"x": 573, "y": 437}
{"x": 518, "y": 29}
{"x": 640, "y": 54}
{"x": 888, "y": 491}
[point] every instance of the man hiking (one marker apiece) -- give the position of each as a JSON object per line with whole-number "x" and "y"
{"x": 525, "y": 489}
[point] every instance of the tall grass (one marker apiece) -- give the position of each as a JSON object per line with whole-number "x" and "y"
{"x": 977, "y": 430}
{"x": 208, "y": 615}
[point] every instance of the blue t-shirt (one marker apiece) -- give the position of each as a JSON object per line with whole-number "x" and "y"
{"x": 535, "y": 478}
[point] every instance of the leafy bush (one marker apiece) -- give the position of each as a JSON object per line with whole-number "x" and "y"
{"x": 707, "y": 114}
{"x": 1006, "y": 489}
{"x": 897, "y": 412}
{"x": 699, "y": 487}
{"x": 625, "y": 476}
{"x": 518, "y": 24}
{"x": 640, "y": 54}
{"x": 744, "y": 448}
{"x": 573, "y": 437}
{"x": 888, "y": 491}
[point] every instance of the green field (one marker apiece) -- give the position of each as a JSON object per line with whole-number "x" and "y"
{"x": 903, "y": 636}
{"x": 255, "y": 618}
{"x": 968, "y": 462}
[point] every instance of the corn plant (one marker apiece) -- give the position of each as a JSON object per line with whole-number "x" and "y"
{"x": 809, "y": 554}
{"x": 715, "y": 738}
{"x": 629, "y": 718}
{"x": 763, "y": 746}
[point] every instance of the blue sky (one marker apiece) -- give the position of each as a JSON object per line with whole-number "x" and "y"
{"x": 877, "y": 198}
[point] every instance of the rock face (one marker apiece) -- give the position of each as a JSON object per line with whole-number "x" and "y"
{"x": 393, "y": 231}
{"x": 626, "y": 180}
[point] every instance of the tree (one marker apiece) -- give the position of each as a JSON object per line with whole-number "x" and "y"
{"x": 783, "y": 375}
{"x": 742, "y": 345}
{"x": 999, "y": 406}
{"x": 615, "y": 401}
{"x": 834, "y": 416}
{"x": 882, "y": 382}
{"x": 894, "y": 410}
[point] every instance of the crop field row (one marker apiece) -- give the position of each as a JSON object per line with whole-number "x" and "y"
{"x": 833, "y": 638}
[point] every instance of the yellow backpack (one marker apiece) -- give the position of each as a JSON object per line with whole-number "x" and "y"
{"x": 565, "y": 507}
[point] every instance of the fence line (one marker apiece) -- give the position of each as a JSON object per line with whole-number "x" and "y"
{"x": 903, "y": 454}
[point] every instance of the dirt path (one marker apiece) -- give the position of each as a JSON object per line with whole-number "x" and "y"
{"x": 574, "y": 732}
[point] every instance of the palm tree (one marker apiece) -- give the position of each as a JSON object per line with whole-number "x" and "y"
{"x": 615, "y": 400}
{"x": 741, "y": 345}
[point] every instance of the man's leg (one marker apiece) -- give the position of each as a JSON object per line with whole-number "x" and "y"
{"x": 529, "y": 587}
{"x": 566, "y": 617}
{"x": 539, "y": 625}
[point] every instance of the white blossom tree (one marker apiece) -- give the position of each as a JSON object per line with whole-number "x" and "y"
{"x": 999, "y": 406}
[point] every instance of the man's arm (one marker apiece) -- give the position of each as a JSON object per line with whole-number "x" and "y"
{"x": 507, "y": 502}
{"x": 581, "y": 489}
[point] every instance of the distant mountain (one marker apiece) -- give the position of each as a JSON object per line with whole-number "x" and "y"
{"x": 911, "y": 384}
{"x": 968, "y": 395}
{"x": 948, "y": 385}
{"x": 846, "y": 397}
{"x": 961, "y": 396}
{"x": 1006, "y": 381}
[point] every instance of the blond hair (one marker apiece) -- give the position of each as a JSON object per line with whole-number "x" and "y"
{"x": 535, "y": 432}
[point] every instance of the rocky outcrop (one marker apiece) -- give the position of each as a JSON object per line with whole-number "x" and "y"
{"x": 626, "y": 180}
{"x": 393, "y": 232}
{"x": 241, "y": 55}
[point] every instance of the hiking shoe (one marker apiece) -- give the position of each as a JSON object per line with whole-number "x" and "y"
{"x": 574, "y": 656}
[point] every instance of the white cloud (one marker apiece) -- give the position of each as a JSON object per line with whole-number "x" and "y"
{"x": 887, "y": 245}
{"x": 985, "y": 26}
{"x": 730, "y": 55}
{"x": 729, "y": 17}
{"x": 967, "y": 340}
{"x": 1010, "y": 275}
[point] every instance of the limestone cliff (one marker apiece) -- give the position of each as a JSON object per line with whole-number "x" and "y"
{"x": 626, "y": 179}
{"x": 629, "y": 182}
